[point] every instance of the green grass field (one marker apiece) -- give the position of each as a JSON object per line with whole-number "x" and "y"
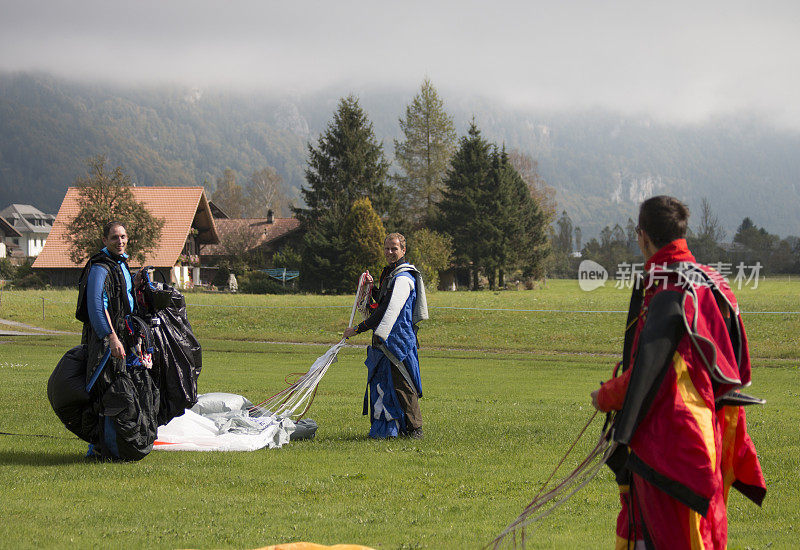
{"x": 506, "y": 392}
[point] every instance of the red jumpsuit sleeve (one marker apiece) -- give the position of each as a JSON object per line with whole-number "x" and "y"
{"x": 612, "y": 392}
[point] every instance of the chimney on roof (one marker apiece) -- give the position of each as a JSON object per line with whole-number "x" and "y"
{"x": 270, "y": 216}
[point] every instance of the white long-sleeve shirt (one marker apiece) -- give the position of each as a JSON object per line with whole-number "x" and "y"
{"x": 400, "y": 293}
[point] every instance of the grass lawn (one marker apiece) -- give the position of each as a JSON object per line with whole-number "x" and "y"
{"x": 505, "y": 394}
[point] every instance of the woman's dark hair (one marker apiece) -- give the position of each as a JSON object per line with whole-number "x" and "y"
{"x": 664, "y": 219}
{"x": 111, "y": 225}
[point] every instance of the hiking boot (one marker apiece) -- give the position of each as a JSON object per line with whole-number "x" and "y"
{"x": 416, "y": 433}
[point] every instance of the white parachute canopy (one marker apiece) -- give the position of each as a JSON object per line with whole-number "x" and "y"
{"x": 229, "y": 422}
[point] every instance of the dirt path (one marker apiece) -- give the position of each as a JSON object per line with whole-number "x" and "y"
{"x": 26, "y": 330}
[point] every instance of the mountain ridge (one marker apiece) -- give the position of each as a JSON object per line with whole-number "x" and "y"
{"x": 602, "y": 164}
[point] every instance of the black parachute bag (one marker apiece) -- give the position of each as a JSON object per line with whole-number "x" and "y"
{"x": 128, "y": 398}
{"x": 116, "y": 410}
{"x": 66, "y": 390}
{"x": 178, "y": 356}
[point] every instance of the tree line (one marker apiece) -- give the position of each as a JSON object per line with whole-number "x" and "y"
{"x": 751, "y": 247}
{"x": 464, "y": 203}
{"x": 461, "y": 201}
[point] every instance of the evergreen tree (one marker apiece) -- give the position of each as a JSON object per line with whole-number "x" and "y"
{"x": 531, "y": 247}
{"x": 429, "y": 139}
{"x": 322, "y": 250}
{"x": 104, "y": 197}
{"x": 517, "y": 224}
{"x": 346, "y": 165}
{"x": 564, "y": 236}
{"x": 560, "y": 261}
{"x": 365, "y": 235}
{"x": 465, "y": 204}
{"x": 488, "y": 211}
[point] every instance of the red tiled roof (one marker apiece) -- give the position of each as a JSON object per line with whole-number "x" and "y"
{"x": 263, "y": 232}
{"x": 181, "y": 208}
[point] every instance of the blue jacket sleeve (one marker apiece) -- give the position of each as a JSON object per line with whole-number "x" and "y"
{"x": 96, "y": 301}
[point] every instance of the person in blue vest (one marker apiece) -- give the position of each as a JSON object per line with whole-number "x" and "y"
{"x": 394, "y": 385}
{"x": 107, "y": 300}
{"x": 121, "y": 423}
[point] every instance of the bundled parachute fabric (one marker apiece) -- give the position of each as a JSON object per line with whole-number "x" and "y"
{"x": 229, "y": 422}
{"x": 117, "y": 405}
{"x": 66, "y": 390}
{"x": 116, "y": 411}
{"x": 178, "y": 356}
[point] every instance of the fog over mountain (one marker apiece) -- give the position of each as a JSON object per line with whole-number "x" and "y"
{"x": 600, "y": 162}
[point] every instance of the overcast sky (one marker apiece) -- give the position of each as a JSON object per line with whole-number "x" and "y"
{"x": 673, "y": 60}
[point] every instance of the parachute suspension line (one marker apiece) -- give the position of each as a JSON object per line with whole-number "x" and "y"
{"x": 295, "y": 401}
{"x": 300, "y": 395}
{"x": 560, "y": 493}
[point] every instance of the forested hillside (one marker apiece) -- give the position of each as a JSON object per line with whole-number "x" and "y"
{"x": 601, "y": 164}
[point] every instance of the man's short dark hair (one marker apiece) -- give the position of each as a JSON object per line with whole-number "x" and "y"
{"x": 111, "y": 225}
{"x": 664, "y": 219}
{"x": 398, "y": 237}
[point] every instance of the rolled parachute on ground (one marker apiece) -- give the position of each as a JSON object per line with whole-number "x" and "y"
{"x": 118, "y": 409}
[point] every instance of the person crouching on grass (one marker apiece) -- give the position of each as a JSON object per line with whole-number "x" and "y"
{"x": 394, "y": 384}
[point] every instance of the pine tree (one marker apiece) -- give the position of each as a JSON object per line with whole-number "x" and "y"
{"x": 429, "y": 139}
{"x": 105, "y": 197}
{"x": 488, "y": 211}
{"x": 465, "y": 204}
{"x": 563, "y": 240}
{"x": 519, "y": 224}
{"x": 346, "y": 165}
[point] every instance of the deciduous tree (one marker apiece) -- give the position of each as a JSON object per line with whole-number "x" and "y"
{"x": 229, "y": 195}
{"x": 106, "y": 196}
{"x": 542, "y": 194}
{"x": 264, "y": 193}
{"x": 430, "y": 252}
{"x": 365, "y": 235}
{"x": 705, "y": 241}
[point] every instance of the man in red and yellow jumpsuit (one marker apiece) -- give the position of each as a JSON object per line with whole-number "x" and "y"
{"x": 681, "y": 428}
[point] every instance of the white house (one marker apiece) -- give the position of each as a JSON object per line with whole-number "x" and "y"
{"x": 7, "y": 231}
{"x": 33, "y": 226}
